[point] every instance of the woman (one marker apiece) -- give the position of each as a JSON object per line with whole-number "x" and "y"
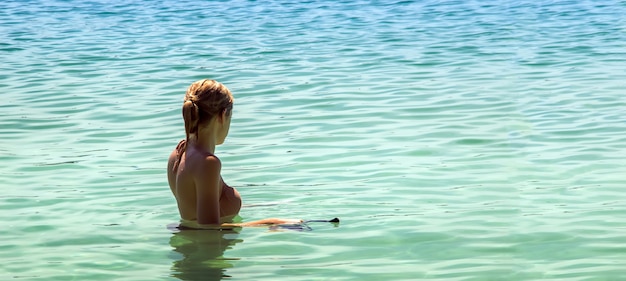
{"x": 204, "y": 200}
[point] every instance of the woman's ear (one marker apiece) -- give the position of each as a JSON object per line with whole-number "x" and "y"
{"x": 223, "y": 115}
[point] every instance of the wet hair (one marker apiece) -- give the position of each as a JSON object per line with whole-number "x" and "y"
{"x": 204, "y": 100}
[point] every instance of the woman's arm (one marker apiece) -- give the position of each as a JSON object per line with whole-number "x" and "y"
{"x": 208, "y": 190}
{"x": 265, "y": 222}
{"x": 229, "y": 226}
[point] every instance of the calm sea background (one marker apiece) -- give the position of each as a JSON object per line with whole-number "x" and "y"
{"x": 456, "y": 140}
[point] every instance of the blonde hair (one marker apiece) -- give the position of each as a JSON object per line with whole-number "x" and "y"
{"x": 204, "y": 100}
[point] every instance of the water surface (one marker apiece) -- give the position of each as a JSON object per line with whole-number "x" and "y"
{"x": 456, "y": 140}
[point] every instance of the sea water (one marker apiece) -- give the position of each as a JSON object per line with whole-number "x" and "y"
{"x": 455, "y": 140}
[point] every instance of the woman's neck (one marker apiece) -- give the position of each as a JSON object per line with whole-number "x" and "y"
{"x": 204, "y": 142}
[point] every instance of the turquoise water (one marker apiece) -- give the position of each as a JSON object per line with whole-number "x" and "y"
{"x": 456, "y": 140}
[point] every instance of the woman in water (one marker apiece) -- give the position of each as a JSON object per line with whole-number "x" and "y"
{"x": 204, "y": 200}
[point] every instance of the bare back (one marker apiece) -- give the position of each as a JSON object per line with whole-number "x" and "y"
{"x": 181, "y": 177}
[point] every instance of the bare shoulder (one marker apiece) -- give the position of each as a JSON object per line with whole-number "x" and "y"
{"x": 172, "y": 164}
{"x": 210, "y": 162}
{"x": 172, "y": 159}
{"x": 175, "y": 155}
{"x": 172, "y": 169}
{"x": 202, "y": 162}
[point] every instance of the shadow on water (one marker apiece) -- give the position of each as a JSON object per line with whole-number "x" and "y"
{"x": 198, "y": 254}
